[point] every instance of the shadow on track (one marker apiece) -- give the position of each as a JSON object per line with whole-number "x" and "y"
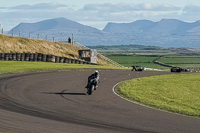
{"x": 60, "y": 93}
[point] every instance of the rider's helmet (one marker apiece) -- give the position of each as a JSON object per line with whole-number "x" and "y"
{"x": 96, "y": 72}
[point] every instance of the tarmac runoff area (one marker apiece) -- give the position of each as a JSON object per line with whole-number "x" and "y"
{"x": 56, "y": 102}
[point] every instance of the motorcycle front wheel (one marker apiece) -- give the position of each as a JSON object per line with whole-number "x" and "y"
{"x": 90, "y": 89}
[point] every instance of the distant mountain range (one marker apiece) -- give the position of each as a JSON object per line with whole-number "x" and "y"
{"x": 165, "y": 33}
{"x": 54, "y": 25}
{"x": 165, "y": 26}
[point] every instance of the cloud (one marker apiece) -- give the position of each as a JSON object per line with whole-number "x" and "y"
{"x": 153, "y": 7}
{"x": 127, "y": 12}
{"x": 130, "y": 7}
{"x": 40, "y": 6}
{"x": 191, "y": 8}
{"x": 12, "y": 16}
{"x": 189, "y": 13}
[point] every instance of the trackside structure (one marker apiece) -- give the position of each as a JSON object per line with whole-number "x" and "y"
{"x": 98, "y": 55}
{"x": 88, "y": 55}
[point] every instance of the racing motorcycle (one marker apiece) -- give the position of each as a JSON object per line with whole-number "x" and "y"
{"x": 91, "y": 86}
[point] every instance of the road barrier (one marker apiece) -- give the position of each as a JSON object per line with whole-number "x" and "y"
{"x": 39, "y": 57}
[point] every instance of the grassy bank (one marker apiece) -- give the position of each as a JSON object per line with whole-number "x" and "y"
{"x": 177, "y": 93}
{"x": 18, "y": 66}
{"x": 10, "y": 44}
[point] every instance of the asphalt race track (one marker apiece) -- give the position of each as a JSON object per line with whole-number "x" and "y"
{"x": 56, "y": 102}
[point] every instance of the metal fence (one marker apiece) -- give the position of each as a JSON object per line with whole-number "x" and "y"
{"x": 59, "y": 37}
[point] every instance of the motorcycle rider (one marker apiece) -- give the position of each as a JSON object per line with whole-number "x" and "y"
{"x": 95, "y": 76}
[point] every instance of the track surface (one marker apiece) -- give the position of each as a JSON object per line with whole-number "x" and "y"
{"x": 56, "y": 102}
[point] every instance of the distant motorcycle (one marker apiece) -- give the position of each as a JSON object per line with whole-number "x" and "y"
{"x": 178, "y": 69}
{"x": 91, "y": 86}
{"x": 137, "y": 68}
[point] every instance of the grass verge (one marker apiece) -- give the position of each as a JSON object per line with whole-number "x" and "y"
{"x": 177, "y": 93}
{"x": 136, "y": 60}
{"x": 18, "y": 66}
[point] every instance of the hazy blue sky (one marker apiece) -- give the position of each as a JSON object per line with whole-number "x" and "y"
{"x": 96, "y": 13}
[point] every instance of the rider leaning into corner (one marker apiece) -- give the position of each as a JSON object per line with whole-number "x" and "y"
{"x": 95, "y": 76}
